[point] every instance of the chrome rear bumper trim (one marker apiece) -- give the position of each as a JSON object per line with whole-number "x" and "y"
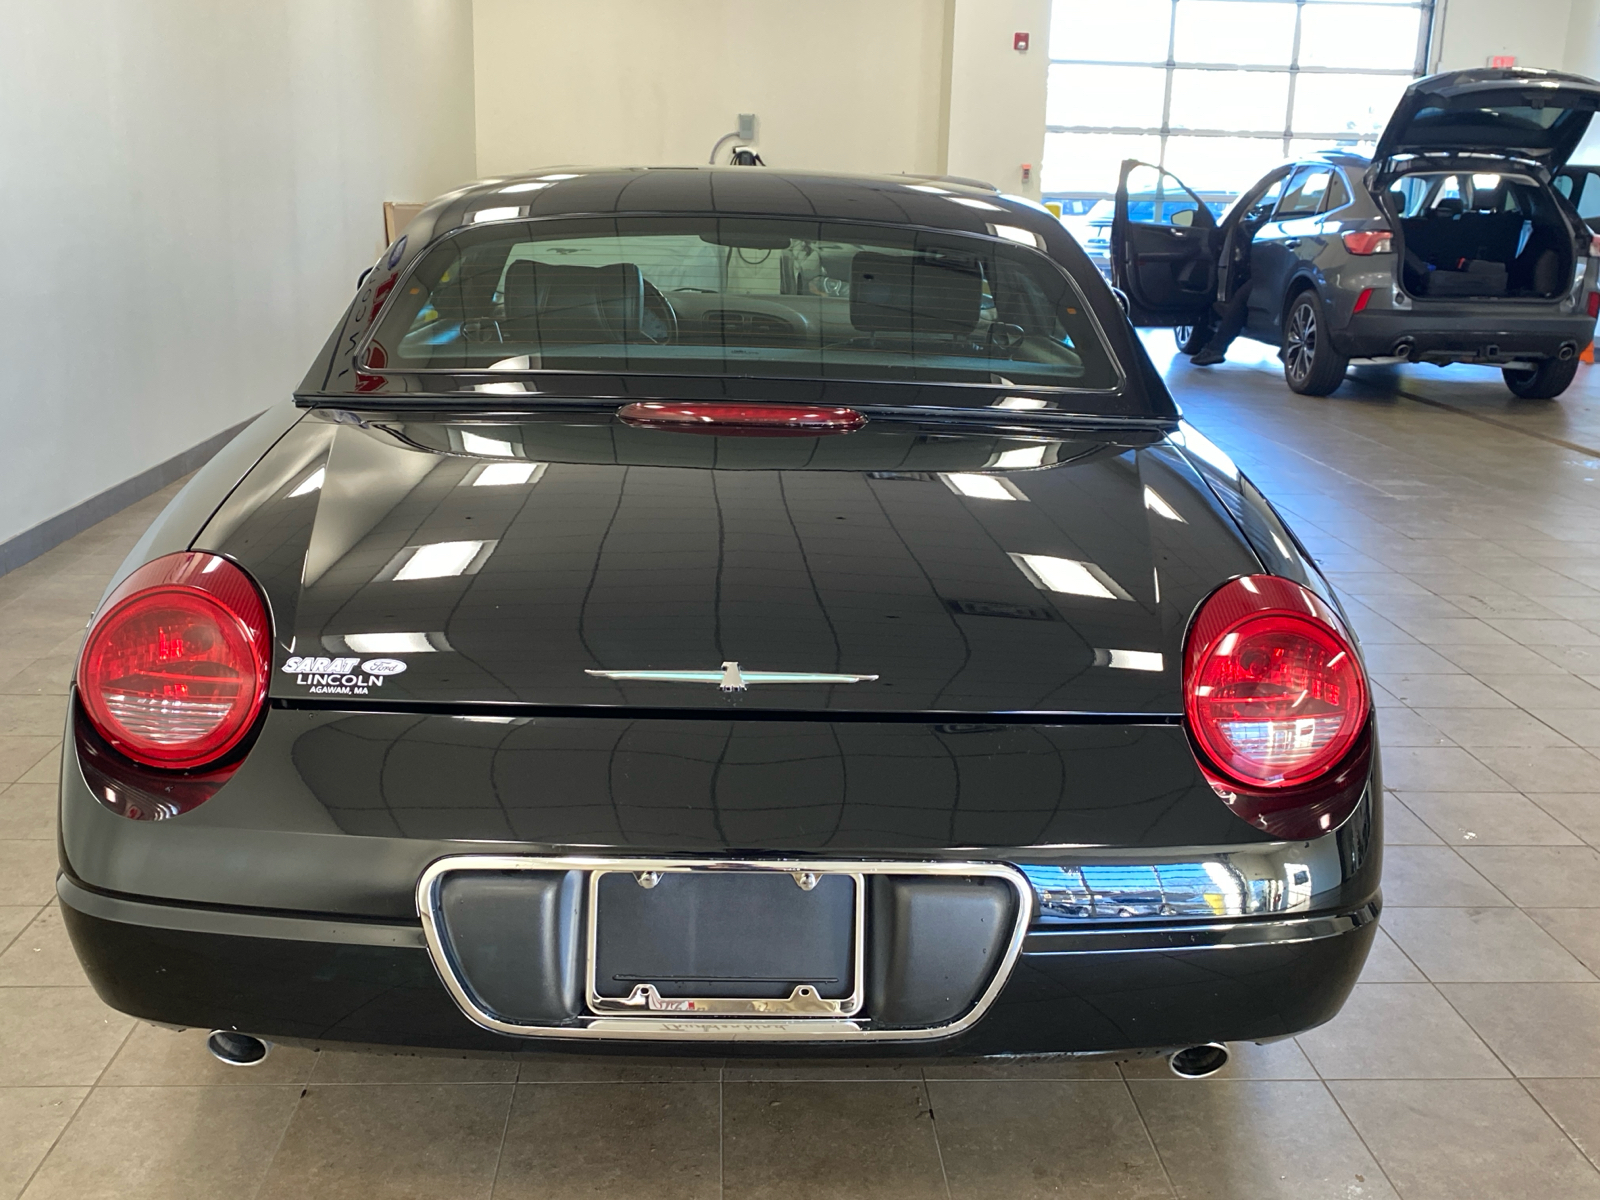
{"x": 717, "y": 1028}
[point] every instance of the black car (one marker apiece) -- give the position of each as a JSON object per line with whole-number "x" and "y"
{"x": 1449, "y": 245}
{"x": 729, "y": 611}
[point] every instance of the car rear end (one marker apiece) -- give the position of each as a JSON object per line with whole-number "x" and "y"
{"x": 1473, "y": 255}
{"x": 739, "y": 726}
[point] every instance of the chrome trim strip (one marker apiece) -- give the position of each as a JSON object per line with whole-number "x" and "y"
{"x": 1042, "y": 942}
{"x": 718, "y": 1028}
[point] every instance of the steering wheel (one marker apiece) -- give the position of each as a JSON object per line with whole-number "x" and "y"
{"x": 658, "y": 322}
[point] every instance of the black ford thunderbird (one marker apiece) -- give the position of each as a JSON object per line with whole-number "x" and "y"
{"x": 728, "y": 611}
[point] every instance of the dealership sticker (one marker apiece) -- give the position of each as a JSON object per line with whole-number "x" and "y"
{"x": 338, "y": 676}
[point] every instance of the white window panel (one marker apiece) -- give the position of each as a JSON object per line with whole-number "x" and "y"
{"x": 1363, "y": 36}
{"x": 1106, "y": 97}
{"x": 1259, "y": 32}
{"x": 1128, "y": 31}
{"x": 1222, "y": 164}
{"x": 1089, "y": 162}
{"x": 1358, "y": 105}
{"x": 1253, "y": 100}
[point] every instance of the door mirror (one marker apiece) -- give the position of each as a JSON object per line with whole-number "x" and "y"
{"x": 1184, "y": 218}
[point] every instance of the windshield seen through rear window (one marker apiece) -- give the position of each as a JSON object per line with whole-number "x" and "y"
{"x": 751, "y": 297}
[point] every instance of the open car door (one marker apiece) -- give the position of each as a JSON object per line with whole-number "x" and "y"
{"x": 1163, "y": 250}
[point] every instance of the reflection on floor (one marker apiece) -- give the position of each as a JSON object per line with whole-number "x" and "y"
{"x": 1463, "y": 526}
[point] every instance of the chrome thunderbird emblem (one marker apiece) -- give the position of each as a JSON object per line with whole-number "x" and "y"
{"x": 731, "y": 678}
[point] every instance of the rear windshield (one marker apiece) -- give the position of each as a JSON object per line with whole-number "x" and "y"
{"x": 752, "y": 297}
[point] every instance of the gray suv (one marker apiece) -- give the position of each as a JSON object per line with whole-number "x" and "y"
{"x": 1449, "y": 245}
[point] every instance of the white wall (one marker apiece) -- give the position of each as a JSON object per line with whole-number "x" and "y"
{"x": 191, "y": 188}
{"x": 850, "y": 85}
{"x": 1467, "y": 32}
{"x": 997, "y": 94}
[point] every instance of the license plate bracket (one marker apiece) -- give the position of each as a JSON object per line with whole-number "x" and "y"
{"x": 726, "y": 942}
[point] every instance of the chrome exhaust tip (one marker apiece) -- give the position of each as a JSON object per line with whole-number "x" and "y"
{"x": 1196, "y": 1062}
{"x": 1567, "y": 351}
{"x": 1404, "y": 348}
{"x": 237, "y": 1049}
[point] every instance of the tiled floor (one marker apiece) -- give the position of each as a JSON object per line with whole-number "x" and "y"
{"x": 1465, "y": 529}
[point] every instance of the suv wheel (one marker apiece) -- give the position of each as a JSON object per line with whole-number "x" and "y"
{"x": 1310, "y": 363}
{"x": 1545, "y": 382}
{"x": 1192, "y": 339}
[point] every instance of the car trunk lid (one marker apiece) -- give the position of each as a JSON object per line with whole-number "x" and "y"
{"x": 547, "y": 560}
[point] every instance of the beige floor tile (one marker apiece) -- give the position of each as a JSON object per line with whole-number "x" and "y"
{"x": 1434, "y": 877}
{"x": 1438, "y": 769}
{"x": 1387, "y": 963}
{"x": 1542, "y": 692}
{"x": 14, "y": 918}
{"x": 51, "y": 676}
{"x": 17, "y": 754}
{"x": 32, "y": 716}
{"x": 1414, "y": 659}
{"x": 47, "y": 769}
{"x": 42, "y": 956}
{"x": 845, "y": 1140}
{"x": 1399, "y": 726}
{"x": 1539, "y": 1030}
{"x": 1540, "y": 876}
{"x": 1443, "y": 693}
{"x": 1575, "y": 1106}
{"x": 1402, "y": 827}
{"x": 1021, "y": 1139}
{"x": 156, "y": 1057}
{"x": 612, "y": 1139}
{"x": 168, "y": 1143}
{"x": 1474, "y": 727}
{"x": 346, "y": 1066}
{"x": 1544, "y": 633}
{"x": 1481, "y": 945}
{"x": 391, "y": 1141}
{"x": 1241, "y": 1139}
{"x": 1488, "y": 819}
{"x": 1043, "y": 1067}
{"x": 746, "y": 1070}
{"x": 1466, "y": 1140}
{"x": 1542, "y": 770}
{"x": 31, "y": 1118}
{"x": 27, "y": 871}
{"x": 1398, "y": 1031}
{"x": 615, "y": 1068}
{"x": 28, "y": 811}
{"x": 1498, "y": 660}
{"x": 1578, "y": 811}
{"x": 1579, "y": 725}
{"x": 1246, "y": 1060}
{"x": 1577, "y": 929}
{"x": 58, "y": 1036}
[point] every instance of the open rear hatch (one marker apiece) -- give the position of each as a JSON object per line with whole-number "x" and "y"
{"x": 1464, "y": 167}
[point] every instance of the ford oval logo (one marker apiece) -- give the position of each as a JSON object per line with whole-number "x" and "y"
{"x": 383, "y": 666}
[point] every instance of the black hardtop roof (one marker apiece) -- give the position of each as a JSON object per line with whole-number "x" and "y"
{"x": 938, "y": 202}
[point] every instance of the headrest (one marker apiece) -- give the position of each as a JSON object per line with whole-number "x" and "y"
{"x": 895, "y": 293}
{"x": 1449, "y": 206}
{"x": 552, "y": 302}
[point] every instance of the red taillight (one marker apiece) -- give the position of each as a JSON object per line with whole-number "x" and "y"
{"x": 1594, "y": 304}
{"x": 1369, "y": 241}
{"x": 750, "y": 420}
{"x": 1275, "y": 697}
{"x": 174, "y": 671}
{"x": 1361, "y": 300}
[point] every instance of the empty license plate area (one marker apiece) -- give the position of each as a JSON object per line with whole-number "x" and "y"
{"x": 726, "y": 942}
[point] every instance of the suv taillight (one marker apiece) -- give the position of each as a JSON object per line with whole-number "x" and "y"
{"x": 173, "y": 673}
{"x": 1277, "y": 704}
{"x": 1369, "y": 241}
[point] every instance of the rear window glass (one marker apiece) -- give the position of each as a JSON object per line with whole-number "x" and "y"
{"x": 752, "y": 297}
